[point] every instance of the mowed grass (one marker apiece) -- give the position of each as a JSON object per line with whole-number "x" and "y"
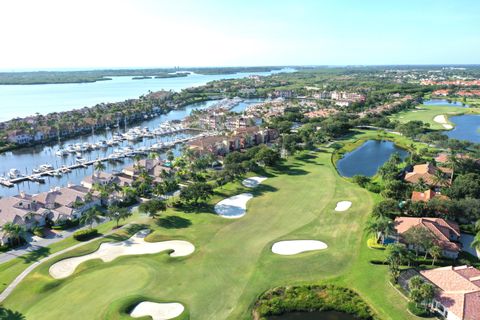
{"x": 233, "y": 263}
{"x": 427, "y": 113}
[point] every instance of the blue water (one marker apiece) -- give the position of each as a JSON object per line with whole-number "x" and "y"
{"x": 467, "y": 127}
{"x": 366, "y": 159}
{"x": 26, "y": 159}
{"x": 443, "y": 102}
{"x": 25, "y": 100}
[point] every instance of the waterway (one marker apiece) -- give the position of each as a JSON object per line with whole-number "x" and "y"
{"x": 26, "y": 100}
{"x": 368, "y": 158}
{"x": 444, "y": 102}
{"x": 467, "y": 127}
{"x": 26, "y": 159}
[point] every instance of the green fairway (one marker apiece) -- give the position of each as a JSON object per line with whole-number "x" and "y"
{"x": 427, "y": 113}
{"x": 232, "y": 263}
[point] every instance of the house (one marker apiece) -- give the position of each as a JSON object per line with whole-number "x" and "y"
{"x": 19, "y": 137}
{"x": 427, "y": 195}
{"x": 430, "y": 174}
{"x": 67, "y": 203}
{"x": 210, "y": 144}
{"x": 458, "y": 291}
{"x": 446, "y": 233}
{"x": 22, "y": 210}
{"x": 101, "y": 178}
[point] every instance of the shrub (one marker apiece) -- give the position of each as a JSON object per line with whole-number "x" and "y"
{"x": 86, "y": 234}
{"x": 418, "y": 310}
{"x": 4, "y": 248}
{"x": 38, "y": 231}
{"x": 312, "y": 298}
{"x": 372, "y": 243}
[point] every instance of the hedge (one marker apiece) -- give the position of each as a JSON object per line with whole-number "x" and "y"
{"x": 86, "y": 234}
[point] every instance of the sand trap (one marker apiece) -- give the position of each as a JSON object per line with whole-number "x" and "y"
{"x": 158, "y": 311}
{"x": 443, "y": 121}
{"x": 233, "y": 207}
{"x": 343, "y": 206}
{"x": 291, "y": 247}
{"x": 110, "y": 251}
{"x": 252, "y": 182}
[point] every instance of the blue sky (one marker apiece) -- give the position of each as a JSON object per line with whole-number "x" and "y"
{"x": 148, "y": 33}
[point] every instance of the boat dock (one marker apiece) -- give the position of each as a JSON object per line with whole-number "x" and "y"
{"x": 36, "y": 177}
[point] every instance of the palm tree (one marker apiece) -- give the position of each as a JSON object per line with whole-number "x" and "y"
{"x": 439, "y": 179}
{"x": 90, "y": 216}
{"x": 170, "y": 155}
{"x": 379, "y": 226}
{"x": 14, "y": 232}
{"x": 476, "y": 242}
{"x": 435, "y": 252}
{"x": 99, "y": 166}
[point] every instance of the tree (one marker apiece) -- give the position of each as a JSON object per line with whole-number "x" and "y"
{"x": 99, "y": 166}
{"x": 396, "y": 256}
{"x": 14, "y": 232}
{"x": 418, "y": 237}
{"x": 466, "y": 185}
{"x": 152, "y": 207}
{"x": 170, "y": 156}
{"x": 361, "y": 180}
{"x": 379, "y": 226}
{"x": 435, "y": 252}
{"x": 90, "y": 216}
{"x": 267, "y": 156}
{"x": 196, "y": 191}
{"x": 386, "y": 208}
{"x": 117, "y": 213}
{"x": 476, "y": 242}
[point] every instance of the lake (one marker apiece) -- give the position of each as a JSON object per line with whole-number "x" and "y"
{"x": 316, "y": 315}
{"x": 366, "y": 159}
{"x": 26, "y": 159}
{"x": 466, "y": 128}
{"x": 444, "y": 102}
{"x": 26, "y": 100}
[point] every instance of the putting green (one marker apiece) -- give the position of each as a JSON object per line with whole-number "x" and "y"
{"x": 233, "y": 262}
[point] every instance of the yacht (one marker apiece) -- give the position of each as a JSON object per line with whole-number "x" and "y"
{"x": 61, "y": 153}
{"x": 14, "y": 173}
{"x": 80, "y": 160}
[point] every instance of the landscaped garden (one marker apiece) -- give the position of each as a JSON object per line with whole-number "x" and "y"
{"x": 233, "y": 262}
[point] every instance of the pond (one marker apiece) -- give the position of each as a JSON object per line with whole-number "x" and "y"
{"x": 467, "y": 127}
{"x": 444, "y": 102}
{"x": 316, "y": 315}
{"x": 366, "y": 159}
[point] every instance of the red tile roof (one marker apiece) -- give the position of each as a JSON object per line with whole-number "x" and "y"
{"x": 440, "y": 228}
{"x": 427, "y": 195}
{"x": 459, "y": 289}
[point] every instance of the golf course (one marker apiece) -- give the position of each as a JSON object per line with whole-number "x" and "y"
{"x": 432, "y": 114}
{"x": 233, "y": 262}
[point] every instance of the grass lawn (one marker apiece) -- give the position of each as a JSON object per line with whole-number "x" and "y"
{"x": 428, "y": 113}
{"x": 232, "y": 263}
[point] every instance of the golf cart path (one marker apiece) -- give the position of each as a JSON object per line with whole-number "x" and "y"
{"x": 8, "y": 290}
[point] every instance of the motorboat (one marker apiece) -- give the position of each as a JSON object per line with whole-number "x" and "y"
{"x": 14, "y": 173}
{"x": 61, "y": 153}
{"x": 80, "y": 160}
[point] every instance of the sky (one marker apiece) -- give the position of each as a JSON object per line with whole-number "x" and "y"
{"x": 53, "y": 34}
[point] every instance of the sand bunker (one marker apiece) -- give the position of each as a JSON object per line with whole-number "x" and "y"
{"x": 252, "y": 182}
{"x": 233, "y": 207}
{"x": 158, "y": 311}
{"x": 291, "y": 247}
{"x": 443, "y": 121}
{"x": 110, "y": 251}
{"x": 343, "y": 206}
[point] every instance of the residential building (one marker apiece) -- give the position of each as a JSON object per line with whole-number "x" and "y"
{"x": 446, "y": 233}
{"x": 427, "y": 195}
{"x": 430, "y": 174}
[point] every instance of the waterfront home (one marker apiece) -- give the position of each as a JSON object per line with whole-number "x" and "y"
{"x": 457, "y": 294}
{"x": 19, "y": 137}
{"x": 427, "y": 196}
{"x": 216, "y": 145}
{"x": 154, "y": 168}
{"x": 102, "y": 178}
{"x": 430, "y": 174}
{"x": 67, "y": 203}
{"x": 446, "y": 234}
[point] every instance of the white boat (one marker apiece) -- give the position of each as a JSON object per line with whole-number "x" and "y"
{"x": 38, "y": 178}
{"x": 61, "y": 153}
{"x": 70, "y": 148}
{"x": 80, "y": 160}
{"x": 46, "y": 167}
{"x": 102, "y": 144}
{"x": 14, "y": 173}
{"x": 65, "y": 169}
